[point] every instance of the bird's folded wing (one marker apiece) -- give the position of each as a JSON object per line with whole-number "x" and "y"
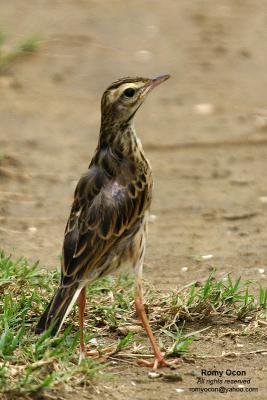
{"x": 103, "y": 211}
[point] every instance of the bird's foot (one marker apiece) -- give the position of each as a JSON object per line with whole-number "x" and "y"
{"x": 90, "y": 353}
{"x": 159, "y": 361}
{"x": 96, "y": 353}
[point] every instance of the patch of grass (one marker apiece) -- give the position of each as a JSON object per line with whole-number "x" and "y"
{"x": 2, "y": 157}
{"x": 9, "y": 55}
{"x": 181, "y": 341}
{"x": 30, "y": 363}
{"x": 213, "y": 298}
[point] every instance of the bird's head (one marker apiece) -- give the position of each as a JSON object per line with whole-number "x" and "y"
{"x": 122, "y": 98}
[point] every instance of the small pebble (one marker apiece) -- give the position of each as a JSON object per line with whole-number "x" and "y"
{"x": 93, "y": 341}
{"x": 207, "y": 257}
{"x": 154, "y": 374}
{"x": 152, "y": 218}
{"x": 240, "y": 181}
{"x": 239, "y": 345}
{"x": 179, "y": 390}
{"x": 130, "y": 328}
{"x": 184, "y": 269}
{"x": 32, "y": 229}
{"x": 143, "y": 55}
{"x": 261, "y": 270}
{"x": 196, "y": 373}
{"x": 204, "y": 108}
{"x": 172, "y": 377}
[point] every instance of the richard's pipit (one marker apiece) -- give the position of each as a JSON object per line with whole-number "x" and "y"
{"x": 108, "y": 220}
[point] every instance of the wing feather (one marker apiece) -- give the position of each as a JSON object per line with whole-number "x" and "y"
{"x": 104, "y": 209}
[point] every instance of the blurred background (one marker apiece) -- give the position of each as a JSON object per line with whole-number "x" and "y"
{"x": 204, "y": 130}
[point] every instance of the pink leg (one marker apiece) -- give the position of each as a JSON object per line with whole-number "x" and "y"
{"x": 81, "y": 302}
{"x": 140, "y": 310}
{"x": 93, "y": 353}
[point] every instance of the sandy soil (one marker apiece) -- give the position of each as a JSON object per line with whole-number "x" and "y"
{"x": 204, "y": 131}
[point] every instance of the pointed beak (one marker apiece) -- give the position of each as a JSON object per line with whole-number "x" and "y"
{"x": 155, "y": 82}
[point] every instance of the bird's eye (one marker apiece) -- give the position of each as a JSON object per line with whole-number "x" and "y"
{"x": 130, "y": 92}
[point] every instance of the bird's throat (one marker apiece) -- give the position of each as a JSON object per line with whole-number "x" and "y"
{"x": 121, "y": 138}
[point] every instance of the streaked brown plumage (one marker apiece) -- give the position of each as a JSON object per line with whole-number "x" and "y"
{"x": 108, "y": 220}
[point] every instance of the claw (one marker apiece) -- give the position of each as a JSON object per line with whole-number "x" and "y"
{"x": 90, "y": 353}
{"x": 158, "y": 362}
{"x": 97, "y": 353}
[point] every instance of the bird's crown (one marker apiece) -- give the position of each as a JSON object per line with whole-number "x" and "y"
{"x": 123, "y": 97}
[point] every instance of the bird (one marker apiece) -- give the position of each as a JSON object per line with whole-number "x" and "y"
{"x": 108, "y": 220}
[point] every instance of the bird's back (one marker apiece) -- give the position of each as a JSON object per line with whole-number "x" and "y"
{"x": 110, "y": 204}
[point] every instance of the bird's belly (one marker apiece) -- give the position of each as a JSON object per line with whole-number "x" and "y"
{"x": 125, "y": 252}
{"x": 110, "y": 265}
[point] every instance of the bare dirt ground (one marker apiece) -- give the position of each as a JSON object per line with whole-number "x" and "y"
{"x": 209, "y": 160}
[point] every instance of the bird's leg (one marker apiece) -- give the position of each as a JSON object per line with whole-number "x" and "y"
{"x": 81, "y": 302}
{"x": 140, "y": 310}
{"x": 92, "y": 353}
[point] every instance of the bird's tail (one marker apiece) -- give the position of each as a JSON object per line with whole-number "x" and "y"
{"x": 58, "y": 309}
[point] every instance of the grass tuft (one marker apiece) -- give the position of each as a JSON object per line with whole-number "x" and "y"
{"x": 31, "y": 363}
{"x": 8, "y": 55}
